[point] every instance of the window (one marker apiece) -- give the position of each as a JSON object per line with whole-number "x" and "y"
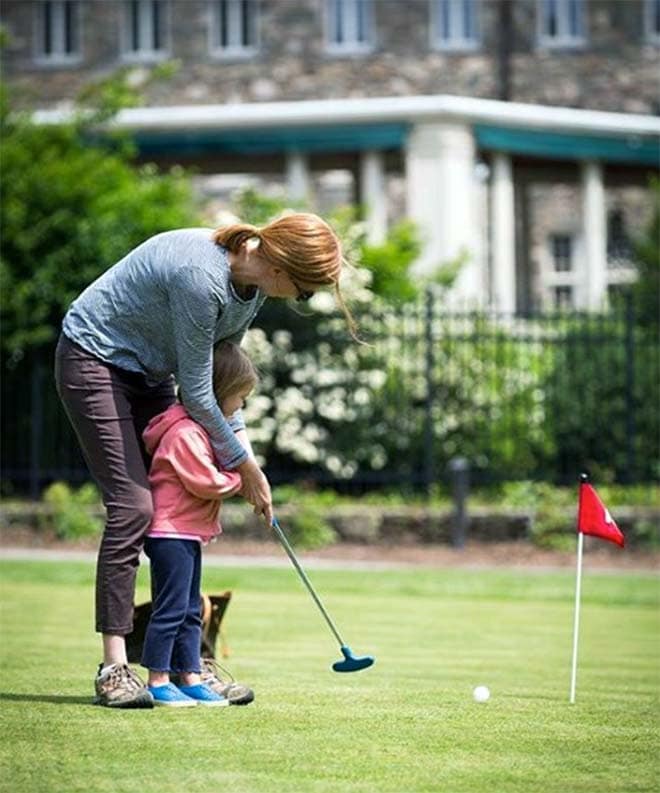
{"x": 561, "y": 250}
{"x": 234, "y": 27}
{"x": 561, "y": 23}
{"x": 58, "y": 31}
{"x": 619, "y": 246}
{"x": 145, "y": 29}
{"x": 652, "y": 20}
{"x": 349, "y": 25}
{"x": 560, "y": 282}
{"x": 455, "y": 24}
{"x": 563, "y": 296}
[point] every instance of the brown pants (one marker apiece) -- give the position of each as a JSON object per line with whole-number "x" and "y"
{"x": 109, "y": 409}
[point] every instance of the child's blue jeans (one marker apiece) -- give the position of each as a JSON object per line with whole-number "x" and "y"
{"x": 173, "y": 636}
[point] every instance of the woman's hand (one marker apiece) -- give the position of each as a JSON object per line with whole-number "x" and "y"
{"x": 256, "y": 489}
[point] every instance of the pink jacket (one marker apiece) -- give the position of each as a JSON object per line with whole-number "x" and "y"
{"x": 186, "y": 484}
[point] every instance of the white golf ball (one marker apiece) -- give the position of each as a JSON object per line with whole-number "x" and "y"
{"x": 481, "y": 694}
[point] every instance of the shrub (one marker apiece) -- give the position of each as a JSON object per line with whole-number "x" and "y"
{"x": 308, "y": 529}
{"x": 97, "y": 206}
{"x": 72, "y": 510}
{"x": 549, "y": 507}
{"x": 598, "y": 385}
{"x": 391, "y": 261}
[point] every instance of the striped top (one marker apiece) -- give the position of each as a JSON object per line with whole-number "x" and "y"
{"x": 159, "y": 311}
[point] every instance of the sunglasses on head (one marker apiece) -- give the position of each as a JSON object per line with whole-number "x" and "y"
{"x": 303, "y": 295}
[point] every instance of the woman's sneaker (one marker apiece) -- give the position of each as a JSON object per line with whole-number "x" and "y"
{"x": 236, "y": 693}
{"x": 117, "y": 686}
{"x": 204, "y": 695}
{"x": 170, "y": 696}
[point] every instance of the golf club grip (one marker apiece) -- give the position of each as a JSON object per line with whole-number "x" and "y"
{"x": 289, "y": 550}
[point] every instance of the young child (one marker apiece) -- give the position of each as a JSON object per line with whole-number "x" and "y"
{"x": 188, "y": 489}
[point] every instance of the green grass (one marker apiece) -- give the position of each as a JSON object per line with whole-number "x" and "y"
{"x": 408, "y": 724}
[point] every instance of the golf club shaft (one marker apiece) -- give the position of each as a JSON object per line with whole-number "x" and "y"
{"x": 289, "y": 550}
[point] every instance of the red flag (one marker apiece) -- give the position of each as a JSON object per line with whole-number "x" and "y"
{"x": 594, "y": 518}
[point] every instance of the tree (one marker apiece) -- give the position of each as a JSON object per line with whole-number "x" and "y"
{"x": 390, "y": 263}
{"x": 72, "y": 205}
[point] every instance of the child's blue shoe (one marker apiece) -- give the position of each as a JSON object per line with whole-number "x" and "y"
{"x": 204, "y": 695}
{"x": 170, "y": 696}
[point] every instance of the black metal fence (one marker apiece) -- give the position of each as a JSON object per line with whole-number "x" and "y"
{"x": 536, "y": 397}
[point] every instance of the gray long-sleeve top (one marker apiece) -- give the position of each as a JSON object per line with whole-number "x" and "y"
{"x": 159, "y": 311}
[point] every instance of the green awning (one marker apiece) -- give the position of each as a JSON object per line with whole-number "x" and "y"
{"x": 644, "y": 150}
{"x": 634, "y": 149}
{"x": 327, "y": 139}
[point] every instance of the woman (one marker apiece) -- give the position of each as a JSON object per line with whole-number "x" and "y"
{"x": 150, "y": 320}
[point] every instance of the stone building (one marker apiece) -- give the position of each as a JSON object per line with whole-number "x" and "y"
{"x": 520, "y": 132}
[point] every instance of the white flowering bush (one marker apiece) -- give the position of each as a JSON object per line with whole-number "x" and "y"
{"x": 329, "y": 408}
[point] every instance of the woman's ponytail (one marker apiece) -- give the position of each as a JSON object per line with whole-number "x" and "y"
{"x": 232, "y": 237}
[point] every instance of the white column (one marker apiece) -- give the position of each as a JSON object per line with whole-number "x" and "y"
{"x": 592, "y": 293}
{"x": 297, "y": 177}
{"x": 441, "y": 197}
{"x": 373, "y": 195}
{"x": 503, "y": 235}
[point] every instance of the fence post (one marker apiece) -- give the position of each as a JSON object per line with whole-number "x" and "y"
{"x": 429, "y": 467}
{"x": 459, "y": 470}
{"x": 631, "y": 462}
{"x": 36, "y": 426}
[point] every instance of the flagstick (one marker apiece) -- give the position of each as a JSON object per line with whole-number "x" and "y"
{"x": 576, "y": 622}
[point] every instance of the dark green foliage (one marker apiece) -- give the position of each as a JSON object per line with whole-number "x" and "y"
{"x": 390, "y": 263}
{"x": 602, "y": 396}
{"x": 646, "y": 290}
{"x": 69, "y": 210}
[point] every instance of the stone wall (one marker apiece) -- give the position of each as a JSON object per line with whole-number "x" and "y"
{"x": 377, "y": 525}
{"x": 617, "y": 70}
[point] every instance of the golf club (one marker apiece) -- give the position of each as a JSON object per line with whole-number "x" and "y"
{"x": 350, "y": 663}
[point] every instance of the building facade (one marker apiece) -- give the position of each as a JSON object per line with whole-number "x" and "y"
{"x": 520, "y": 133}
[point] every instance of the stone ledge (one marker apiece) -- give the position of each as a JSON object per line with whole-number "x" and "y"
{"x": 377, "y": 525}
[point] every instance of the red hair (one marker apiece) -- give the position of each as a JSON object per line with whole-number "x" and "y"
{"x": 302, "y": 245}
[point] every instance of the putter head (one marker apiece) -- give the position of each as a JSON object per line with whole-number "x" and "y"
{"x": 351, "y": 663}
